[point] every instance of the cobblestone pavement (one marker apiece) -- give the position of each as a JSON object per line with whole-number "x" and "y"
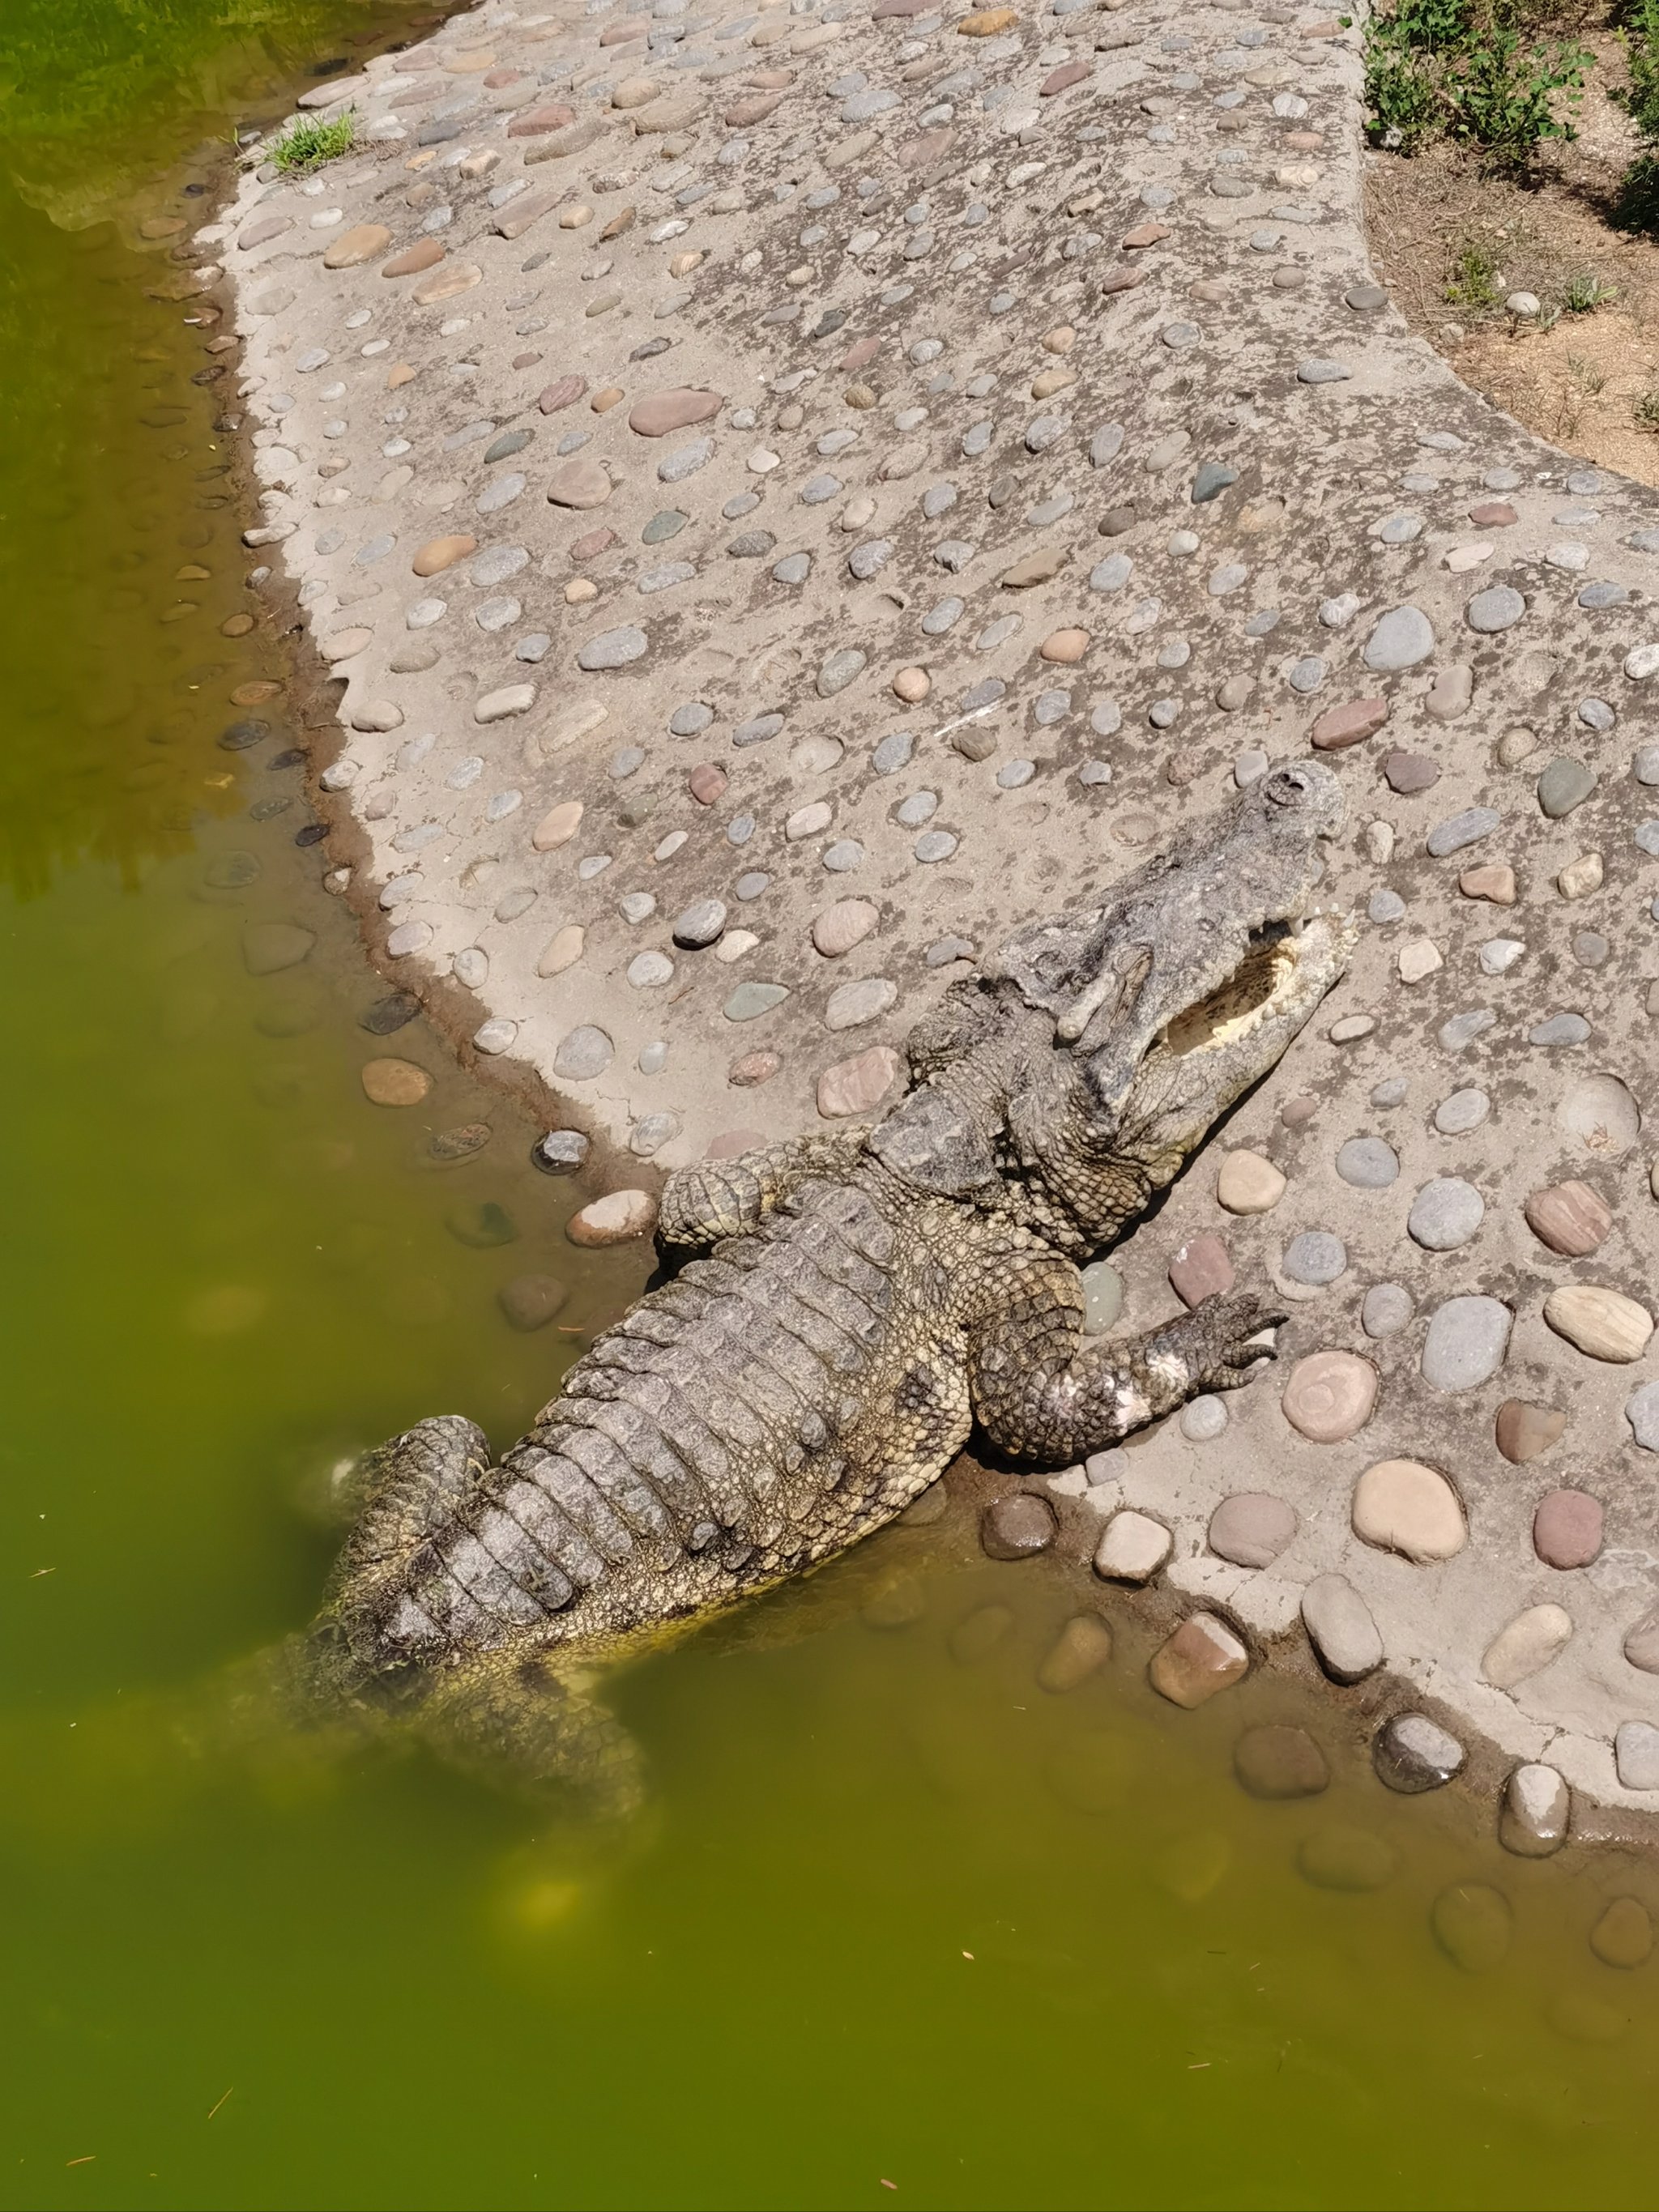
{"x": 785, "y": 495}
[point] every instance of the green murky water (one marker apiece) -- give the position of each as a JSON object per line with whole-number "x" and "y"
{"x": 900, "y": 1916}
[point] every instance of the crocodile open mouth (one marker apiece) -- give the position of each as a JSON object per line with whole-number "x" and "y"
{"x": 1263, "y": 980}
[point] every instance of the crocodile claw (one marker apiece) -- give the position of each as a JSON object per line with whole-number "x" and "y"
{"x": 1221, "y": 1346}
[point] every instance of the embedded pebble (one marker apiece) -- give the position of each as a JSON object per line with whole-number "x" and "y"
{"x": 1251, "y": 1528}
{"x": 1329, "y": 1396}
{"x": 1341, "y": 1628}
{"x": 1132, "y": 1549}
{"x": 1402, "y": 1505}
{"x": 1413, "y": 1754}
{"x": 1202, "y": 1657}
{"x": 1280, "y": 1764}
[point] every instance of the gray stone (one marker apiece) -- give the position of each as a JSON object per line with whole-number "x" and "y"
{"x": 1367, "y": 1163}
{"x": 1403, "y": 639}
{"x": 1564, "y": 784}
{"x": 1499, "y": 607}
{"x": 1467, "y": 1339}
{"x": 1340, "y": 1628}
{"x": 750, "y": 1000}
{"x": 583, "y": 1053}
{"x": 1642, "y": 1412}
{"x": 1386, "y": 1308}
{"x": 1459, "y": 831}
{"x": 701, "y": 923}
{"x": 1636, "y": 1754}
{"x": 1413, "y": 1754}
{"x": 1445, "y": 1214}
{"x": 1316, "y": 1257}
{"x": 1463, "y": 1111}
{"x": 613, "y": 649}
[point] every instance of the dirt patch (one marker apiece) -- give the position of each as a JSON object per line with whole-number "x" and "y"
{"x": 1452, "y": 242}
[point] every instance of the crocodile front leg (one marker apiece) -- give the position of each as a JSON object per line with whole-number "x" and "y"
{"x": 705, "y": 1203}
{"x": 1043, "y": 1391}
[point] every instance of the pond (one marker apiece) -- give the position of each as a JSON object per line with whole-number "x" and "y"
{"x": 902, "y": 1923}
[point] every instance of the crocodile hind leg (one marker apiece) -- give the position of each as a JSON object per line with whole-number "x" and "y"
{"x": 711, "y": 1199}
{"x": 527, "y": 1721}
{"x": 1043, "y": 1391}
{"x": 402, "y": 1492}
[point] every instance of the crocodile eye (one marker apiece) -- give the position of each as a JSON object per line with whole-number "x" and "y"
{"x": 1288, "y": 787}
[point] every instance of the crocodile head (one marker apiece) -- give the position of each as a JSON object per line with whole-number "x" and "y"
{"x": 1174, "y": 995}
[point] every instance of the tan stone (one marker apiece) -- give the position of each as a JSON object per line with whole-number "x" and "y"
{"x": 1082, "y": 1648}
{"x": 1571, "y": 1218}
{"x": 1035, "y": 568}
{"x": 575, "y": 218}
{"x": 986, "y": 22}
{"x": 1401, "y": 1505}
{"x": 1526, "y": 1646}
{"x": 440, "y": 553}
{"x": 364, "y": 241}
{"x": 636, "y": 92}
{"x": 580, "y": 483}
{"x": 1059, "y": 340}
{"x": 659, "y": 412}
{"x": 1067, "y": 647}
{"x": 446, "y": 284}
{"x": 1202, "y": 1657}
{"x": 1580, "y": 877}
{"x": 563, "y": 949}
{"x": 857, "y": 1085}
{"x": 1603, "y": 1323}
{"x": 425, "y": 253}
{"x": 913, "y": 685}
{"x": 557, "y": 826}
{"x": 1623, "y": 1937}
{"x": 623, "y": 220}
{"x": 1248, "y": 1183}
{"x": 395, "y": 1083}
{"x": 1051, "y": 380}
{"x": 841, "y": 927}
{"x": 604, "y": 401}
{"x": 580, "y": 590}
{"x": 399, "y": 374}
{"x": 1329, "y": 1396}
{"x": 616, "y": 1218}
{"x": 343, "y": 644}
{"x": 1522, "y": 1431}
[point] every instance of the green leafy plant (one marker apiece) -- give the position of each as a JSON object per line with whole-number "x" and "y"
{"x": 1504, "y": 95}
{"x": 1474, "y": 281}
{"x": 1584, "y": 294}
{"x": 1467, "y": 69}
{"x": 1588, "y": 378}
{"x": 1646, "y": 411}
{"x": 308, "y": 143}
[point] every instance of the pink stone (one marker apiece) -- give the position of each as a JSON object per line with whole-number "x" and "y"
{"x": 539, "y": 120}
{"x": 732, "y": 1144}
{"x": 855, "y": 1085}
{"x": 593, "y": 542}
{"x": 677, "y": 409}
{"x": 860, "y": 353}
{"x": 1202, "y": 1656}
{"x": 1348, "y": 725}
{"x": 561, "y": 393}
{"x": 749, "y": 1072}
{"x": 1200, "y": 1269}
{"x": 706, "y": 782}
{"x": 1061, "y": 80}
{"x": 1571, "y": 1218}
{"x": 754, "y": 108}
{"x": 1567, "y": 1529}
{"x": 926, "y": 149}
{"x": 1329, "y": 1396}
{"x": 1493, "y": 514}
{"x": 1251, "y": 1527}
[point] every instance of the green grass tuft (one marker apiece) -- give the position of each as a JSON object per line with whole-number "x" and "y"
{"x": 313, "y": 141}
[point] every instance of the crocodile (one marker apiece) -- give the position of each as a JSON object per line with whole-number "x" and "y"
{"x": 841, "y": 1312}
